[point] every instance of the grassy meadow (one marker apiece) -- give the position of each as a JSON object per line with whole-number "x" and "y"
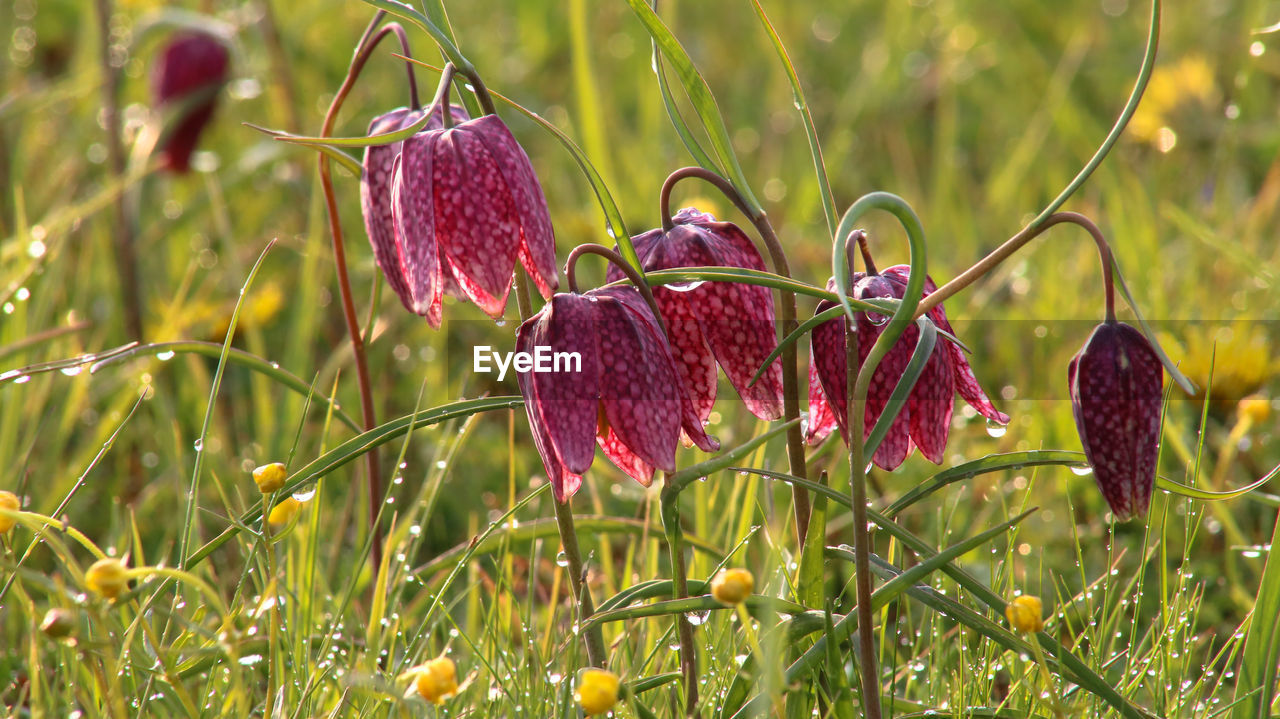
{"x": 978, "y": 114}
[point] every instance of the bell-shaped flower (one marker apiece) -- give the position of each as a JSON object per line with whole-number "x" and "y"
{"x": 465, "y": 205}
{"x": 375, "y": 196}
{"x": 728, "y": 323}
{"x": 926, "y": 419}
{"x": 1117, "y": 384}
{"x": 186, "y": 77}
{"x": 611, "y": 381}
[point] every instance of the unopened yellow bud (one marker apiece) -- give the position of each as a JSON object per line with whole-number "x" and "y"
{"x": 732, "y": 586}
{"x": 270, "y": 477}
{"x": 597, "y": 691}
{"x": 107, "y": 577}
{"x": 283, "y": 513}
{"x": 1025, "y": 613}
{"x": 1254, "y": 408}
{"x": 437, "y": 680}
{"x": 9, "y": 501}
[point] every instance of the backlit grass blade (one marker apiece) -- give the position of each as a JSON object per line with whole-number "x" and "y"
{"x": 1256, "y": 685}
{"x": 546, "y": 528}
{"x": 704, "y": 103}
{"x": 355, "y": 448}
{"x": 902, "y": 390}
{"x": 806, "y": 117}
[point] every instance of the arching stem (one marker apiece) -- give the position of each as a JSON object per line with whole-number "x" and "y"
{"x": 364, "y": 49}
{"x": 637, "y": 279}
{"x": 786, "y": 320}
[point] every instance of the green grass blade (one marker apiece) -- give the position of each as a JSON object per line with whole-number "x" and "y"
{"x": 704, "y": 103}
{"x": 898, "y": 399}
{"x": 1256, "y": 685}
{"x": 806, "y": 117}
{"x": 353, "y": 449}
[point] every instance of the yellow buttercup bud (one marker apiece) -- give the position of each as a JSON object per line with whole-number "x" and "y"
{"x": 437, "y": 680}
{"x": 270, "y": 477}
{"x": 732, "y": 586}
{"x": 1255, "y": 408}
{"x": 1025, "y": 613}
{"x": 107, "y": 577}
{"x": 597, "y": 691}
{"x": 283, "y": 513}
{"x": 9, "y": 501}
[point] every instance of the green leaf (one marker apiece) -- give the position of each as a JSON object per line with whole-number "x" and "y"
{"x": 806, "y": 117}
{"x": 681, "y": 479}
{"x": 704, "y": 103}
{"x": 547, "y": 528}
{"x": 353, "y": 449}
{"x": 1256, "y": 685}
{"x": 898, "y": 399}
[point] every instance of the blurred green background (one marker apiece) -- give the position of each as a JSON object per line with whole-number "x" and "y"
{"x": 977, "y": 113}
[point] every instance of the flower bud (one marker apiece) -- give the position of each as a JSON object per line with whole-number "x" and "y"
{"x": 186, "y": 77}
{"x": 270, "y": 477}
{"x": 1025, "y": 613}
{"x": 732, "y": 586}
{"x": 597, "y": 691}
{"x": 9, "y": 501}
{"x": 1254, "y": 408}
{"x": 58, "y": 623}
{"x": 437, "y": 680}
{"x": 283, "y": 513}
{"x": 107, "y": 577}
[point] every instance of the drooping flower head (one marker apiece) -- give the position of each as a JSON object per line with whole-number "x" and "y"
{"x": 621, "y": 392}
{"x": 465, "y": 204}
{"x": 1116, "y": 384}
{"x": 926, "y": 419}
{"x": 714, "y": 322}
{"x": 188, "y": 73}
{"x": 375, "y": 196}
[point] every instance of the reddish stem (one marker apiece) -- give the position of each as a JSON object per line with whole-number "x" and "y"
{"x": 364, "y": 50}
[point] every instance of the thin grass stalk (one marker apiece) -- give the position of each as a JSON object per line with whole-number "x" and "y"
{"x": 680, "y": 590}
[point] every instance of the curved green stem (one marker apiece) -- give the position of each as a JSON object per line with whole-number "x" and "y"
{"x": 856, "y": 387}
{"x": 637, "y": 279}
{"x": 1013, "y": 244}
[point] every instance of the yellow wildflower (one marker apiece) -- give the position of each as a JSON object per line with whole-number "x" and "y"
{"x": 1025, "y": 613}
{"x": 597, "y": 691}
{"x": 732, "y": 586}
{"x": 437, "y": 680}
{"x": 107, "y": 577}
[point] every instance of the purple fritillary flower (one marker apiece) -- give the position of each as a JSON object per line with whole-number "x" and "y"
{"x": 465, "y": 204}
{"x": 191, "y": 68}
{"x": 1117, "y": 384}
{"x": 926, "y": 420}
{"x": 624, "y": 395}
{"x": 728, "y": 323}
